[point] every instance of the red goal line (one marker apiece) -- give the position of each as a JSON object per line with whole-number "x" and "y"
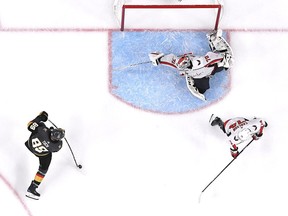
{"x": 204, "y": 6}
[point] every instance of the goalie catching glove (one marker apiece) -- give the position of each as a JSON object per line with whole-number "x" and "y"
{"x": 155, "y": 58}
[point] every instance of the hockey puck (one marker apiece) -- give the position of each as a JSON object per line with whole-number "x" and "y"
{"x": 80, "y": 166}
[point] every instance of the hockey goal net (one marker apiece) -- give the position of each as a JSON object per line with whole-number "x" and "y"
{"x": 159, "y": 14}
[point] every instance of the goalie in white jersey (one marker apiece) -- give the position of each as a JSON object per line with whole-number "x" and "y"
{"x": 199, "y": 69}
{"x": 239, "y": 130}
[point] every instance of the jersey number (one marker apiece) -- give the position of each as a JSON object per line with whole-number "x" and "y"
{"x": 240, "y": 124}
{"x": 37, "y": 146}
{"x": 33, "y": 126}
{"x": 207, "y": 58}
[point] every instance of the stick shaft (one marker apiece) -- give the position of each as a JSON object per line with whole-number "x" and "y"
{"x": 226, "y": 166}
{"x": 131, "y": 65}
{"x": 67, "y": 144}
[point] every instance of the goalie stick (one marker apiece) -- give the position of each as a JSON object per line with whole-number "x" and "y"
{"x": 131, "y": 65}
{"x": 223, "y": 170}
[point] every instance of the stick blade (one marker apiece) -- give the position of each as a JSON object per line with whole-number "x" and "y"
{"x": 199, "y": 198}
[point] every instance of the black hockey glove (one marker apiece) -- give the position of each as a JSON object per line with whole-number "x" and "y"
{"x": 43, "y": 116}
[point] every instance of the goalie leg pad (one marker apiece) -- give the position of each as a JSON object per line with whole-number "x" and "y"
{"x": 217, "y": 43}
{"x": 193, "y": 89}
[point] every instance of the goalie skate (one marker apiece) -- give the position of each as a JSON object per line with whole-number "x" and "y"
{"x": 193, "y": 89}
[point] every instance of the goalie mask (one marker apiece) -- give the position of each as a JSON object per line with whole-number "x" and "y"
{"x": 184, "y": 62}
{"x": 56, "y": 134}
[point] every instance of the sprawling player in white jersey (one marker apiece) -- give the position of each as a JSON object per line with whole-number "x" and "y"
{"x": 240, "y": 130}
{"x": 199, "y": 69}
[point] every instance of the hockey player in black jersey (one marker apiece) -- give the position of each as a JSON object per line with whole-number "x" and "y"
{"x": 42, "y": 142}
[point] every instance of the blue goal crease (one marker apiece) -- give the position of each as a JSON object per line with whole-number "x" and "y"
{"x": 159, "y": 89}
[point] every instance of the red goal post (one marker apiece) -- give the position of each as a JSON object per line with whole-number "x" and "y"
{"x": 123, "y": 7}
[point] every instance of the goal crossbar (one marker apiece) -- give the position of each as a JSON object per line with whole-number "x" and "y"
{"x": 199, "y": 6}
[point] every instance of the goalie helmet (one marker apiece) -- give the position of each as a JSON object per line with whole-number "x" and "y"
{"x": 184, "y": 62}
{"x": 56, "y": 134}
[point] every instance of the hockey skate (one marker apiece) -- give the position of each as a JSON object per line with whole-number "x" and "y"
{"x": 31, "y": 191}
{"x": 214, "y": 120}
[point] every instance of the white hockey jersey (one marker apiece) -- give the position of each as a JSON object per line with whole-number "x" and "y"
{"x": 241, "y": 129}
{"x": 195, "y": 66}
{"x": 198, "y": 67}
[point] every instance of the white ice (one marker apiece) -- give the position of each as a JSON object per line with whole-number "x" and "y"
{"x": 135, "y": 162}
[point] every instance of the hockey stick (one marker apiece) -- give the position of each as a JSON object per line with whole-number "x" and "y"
{"x": 131, "y": 65}
{"x": 78, "y": 165}
{"x": 224, "y": 169}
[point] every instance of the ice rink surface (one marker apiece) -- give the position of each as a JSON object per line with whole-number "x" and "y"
{"x": 55, "y": 56}
{"x": 160, "y": 89}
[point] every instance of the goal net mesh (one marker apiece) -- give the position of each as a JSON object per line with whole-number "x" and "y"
{"x": 163, "y": 14}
